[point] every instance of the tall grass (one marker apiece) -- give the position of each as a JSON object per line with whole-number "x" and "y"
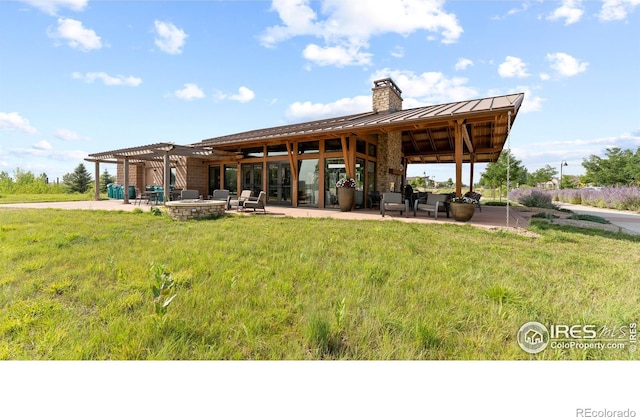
{"x": 78, "y": 285}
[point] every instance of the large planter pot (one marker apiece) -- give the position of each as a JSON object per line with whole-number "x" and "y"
{"x": 346, "y": 197}
{"x": 462, "y": 212}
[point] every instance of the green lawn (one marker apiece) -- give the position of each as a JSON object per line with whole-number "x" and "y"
{"x": 46, "y": 198}
{"x": 77, "y": 285}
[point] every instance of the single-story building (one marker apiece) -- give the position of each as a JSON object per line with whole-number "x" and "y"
{"x": 299, "y": 164}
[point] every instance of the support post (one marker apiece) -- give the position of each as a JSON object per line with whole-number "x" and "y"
{"x": 126, "y": 181}
{"x": 167, "y": 177}
{"x": 458, "y": 157}
{"x": 96, "y": 191}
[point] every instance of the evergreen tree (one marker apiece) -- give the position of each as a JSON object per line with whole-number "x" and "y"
{"x": 79, "y": 180}
{"x": 105, "y": 179}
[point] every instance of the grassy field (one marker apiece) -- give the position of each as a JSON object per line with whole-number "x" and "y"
{"x": 46, "y": 198}
{"x": 78, "y": 285}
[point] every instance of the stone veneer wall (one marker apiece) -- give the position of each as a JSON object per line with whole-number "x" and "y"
{"x": 389, "y": 157}
{"x": 136, "y": 175}
{"x": 386, "y": 98}
{"x": 180, "y": 210}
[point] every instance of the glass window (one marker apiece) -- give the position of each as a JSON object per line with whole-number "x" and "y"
{"x": 360, "y": 175}
{"x": 252, "y": 178}
{"x": 332, "y": 145}
{"x": 333, "y": 171}
{"x": 308, "y": 182}
{"x": 308, "y": 147}
{"x": 214, "y": 178}
{"x": 361, "y": 146}
{"x": 277, "y": 150}
{"x": 231, "y": 179}
{"x": 253, "y": 152}
{"x": 372, "y": 149}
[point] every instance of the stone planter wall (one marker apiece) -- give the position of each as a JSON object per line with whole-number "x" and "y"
{"x": 195, "y": 209}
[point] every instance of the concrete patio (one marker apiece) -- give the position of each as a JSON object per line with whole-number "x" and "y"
{"x": 491, "y": 217}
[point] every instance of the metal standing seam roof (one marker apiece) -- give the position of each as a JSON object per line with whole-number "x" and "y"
{"x": 373, "y": 120}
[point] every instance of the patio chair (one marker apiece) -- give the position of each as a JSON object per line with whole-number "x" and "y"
{"x": 259, "y": 203}
{"x": 190, "y": 195}
{"x": 394, "y": 202}
{"x": 475, "y": 196}
{"x": 221, "y": 195}
{"x": 139, "y": 197}
{"x": 237, "y": 202}
{"x": 434, "y": 203}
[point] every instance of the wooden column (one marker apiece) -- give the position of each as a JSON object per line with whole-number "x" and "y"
{"x": 96, "y": 188}
{"x": 345, "y": 156}
{"x": 472, "y": 161}
{"x": 458, "y": 157}
{"x": 167, "y": 177}
{"x": 126, "y": 181}
{"x": 293, "y": 163}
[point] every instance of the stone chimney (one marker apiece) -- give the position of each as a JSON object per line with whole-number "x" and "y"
{"x": 387, "y": 97}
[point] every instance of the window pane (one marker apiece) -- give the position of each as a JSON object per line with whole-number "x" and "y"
{"x": 308, "y": 182}
{"x": 333, "y": 171}
{"x": 361, "y": 146}
{"x": 253, "y": 152}
{"x": 277, "y": 150}
{"x": 332, "y": 145}
{"x": 231, "y": 179}
{"x": 372, "y": 149}
{"x": 308, "y": 147}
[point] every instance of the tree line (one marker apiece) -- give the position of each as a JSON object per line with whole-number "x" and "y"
{"x": 618, "y": 167}
{"x": 26, "y": 182}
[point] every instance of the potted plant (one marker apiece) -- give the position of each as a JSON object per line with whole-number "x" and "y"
{"x": 463, "y": 208}
{"x": 346, "y": 193}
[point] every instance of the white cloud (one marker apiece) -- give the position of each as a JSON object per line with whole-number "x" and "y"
{"x": 336, "y": 55}
{"x": 565, "y": 65}
{"x": 189, "y": 92}
{"x": 571, "y": 11}
{"x": 397, "y": 52}
{"x": 244, "y": 95}
{"x": 76, "y": 35}
{"x": 68, "y": 135}
{"x": 348, "y": 25}
{"x": 309, "y": 111}
{"x": 169, "y": 38}
{"x": 617, "y": 9}
{"x": 513, "y": 67}
{"x": 13, "y": 120}
{"x": 463, "y": 63}
{"x": 107, "y": 79}
{"x": 39, "y": 150}
{"x": 43, "y": 145}
{"x": 51, "y": 6}
{"x": 427, "y": 88}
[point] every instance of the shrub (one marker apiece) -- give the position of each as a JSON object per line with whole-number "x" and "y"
{"x": 531, "y": 197}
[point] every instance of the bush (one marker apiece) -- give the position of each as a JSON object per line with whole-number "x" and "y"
{"x": 531, "y": 197}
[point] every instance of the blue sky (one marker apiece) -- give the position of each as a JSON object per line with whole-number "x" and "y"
{"x": 79, "y": 76}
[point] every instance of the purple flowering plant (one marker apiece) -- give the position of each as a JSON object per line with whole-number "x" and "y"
{"x": 346, "y": 183}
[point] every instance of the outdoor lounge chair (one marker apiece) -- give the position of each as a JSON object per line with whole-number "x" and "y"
{"x": 237, "y": 202}
{"x": 221, "y": 195}
{"x": 190, "y": 195}
{"x": 475, "y": 196}
{"x": 394, "y": 202}
{"x": 434, "y": 203}
{"x": 259, "y": 203}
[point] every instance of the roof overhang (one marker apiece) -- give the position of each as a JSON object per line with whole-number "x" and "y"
{"x": 428, "y": 133}
{"x": 158, "y": 151}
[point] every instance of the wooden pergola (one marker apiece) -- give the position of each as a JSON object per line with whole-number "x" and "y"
{"x": 164, "y": 152}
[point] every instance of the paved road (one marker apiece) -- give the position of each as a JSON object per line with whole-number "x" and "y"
{"x": 625, "y": 219}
